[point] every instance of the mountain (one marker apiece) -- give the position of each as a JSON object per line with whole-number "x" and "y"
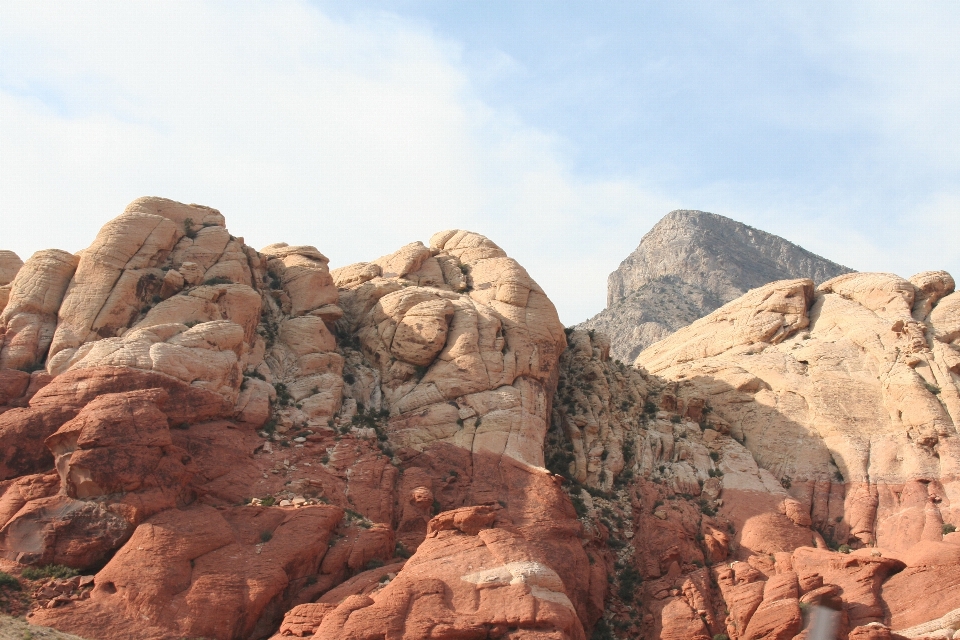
{"x": 199, "y": 439}
{"x": 690, "y": 264}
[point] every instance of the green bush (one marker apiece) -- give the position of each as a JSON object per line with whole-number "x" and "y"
{"x": 48, "y": 571}
{"x": 266, "y": 536}
{"x": 578, "y": 505}
{"x": 948, "y": 528}
{"x": 629, "y": 578}
{"x": 706, "y": 509}
{"x": 602, "y": 631}
{"x": 284, "y": 398}
{"x": 188, "y": 228}
{"x": 844, "y": 548}
{"x": 373, "y": 563}
{"x": 217, "y": 280}
{"x": 7, "y": 580}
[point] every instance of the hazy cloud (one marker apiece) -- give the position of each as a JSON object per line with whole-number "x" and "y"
{"x": 362, "y": 132}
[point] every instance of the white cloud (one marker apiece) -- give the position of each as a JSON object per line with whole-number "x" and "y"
{"x": 358, "y": 135}
{"x": 355, "y": 137}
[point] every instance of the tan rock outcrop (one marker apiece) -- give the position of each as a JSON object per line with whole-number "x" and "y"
{"x": 472, "y": 368}
{"x": 863, "y": 397}
{"x": 303, "y": 274}
{"x": 29, "y": 318}
{"x": 10, "y": 264}
{"x": 127, "y": 270}
{"x": 206, "y": 355}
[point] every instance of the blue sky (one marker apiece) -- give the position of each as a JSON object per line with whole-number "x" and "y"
{"x": 563, "y": 130}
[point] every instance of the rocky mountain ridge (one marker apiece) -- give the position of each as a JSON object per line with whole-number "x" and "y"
{"x": 230, "y": 443}
{"x": 688, "y": 265}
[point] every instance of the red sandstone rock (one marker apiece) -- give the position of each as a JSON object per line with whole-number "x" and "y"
{"x": 22, "y": 431}
{"x": 859, "y": 578}
{"x": 680, "y": 622}
{"x": 203, "y": 572}
{"x": 776, "y": 620}
{"x": 872, "y": 631}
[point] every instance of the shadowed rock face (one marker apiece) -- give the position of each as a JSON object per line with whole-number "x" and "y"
{"x": 690, "y": 264}
{"x": 242, "y": 444}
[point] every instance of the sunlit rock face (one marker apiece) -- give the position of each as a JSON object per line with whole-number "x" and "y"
{"x": 232, "y": 443}
{"x": 221, "y": 434}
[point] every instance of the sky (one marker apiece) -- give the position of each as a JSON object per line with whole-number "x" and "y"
{"x": 561, "y": 130}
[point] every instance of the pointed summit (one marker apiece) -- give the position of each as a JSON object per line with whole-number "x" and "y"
{"x": 690, "y": 264}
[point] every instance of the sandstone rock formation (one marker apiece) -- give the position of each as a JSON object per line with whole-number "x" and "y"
{"x": 689, "y": 265}
{"x": 238, "y": 444}
{"x": 847, "y": 394}
{"x": 222, "y": 435}
{"x": 10, "y": 264}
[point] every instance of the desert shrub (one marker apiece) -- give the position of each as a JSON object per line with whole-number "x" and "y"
{"x": 844, "y": 548}
{"x": 706, "y": 509}
{"x": 284, "y": 398}
{"x": 48, "y": 571}
{"x": 578, "y": 505}
{"x": 7, "y": 580}
{"x": 218, "y": 280}
{"x": 948, "y": 528}
{"x": 629, "y": 578}
{"x": 373, "y": 563}
{"x": 266, "y": 536}
{"x": 602, "y": 631}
